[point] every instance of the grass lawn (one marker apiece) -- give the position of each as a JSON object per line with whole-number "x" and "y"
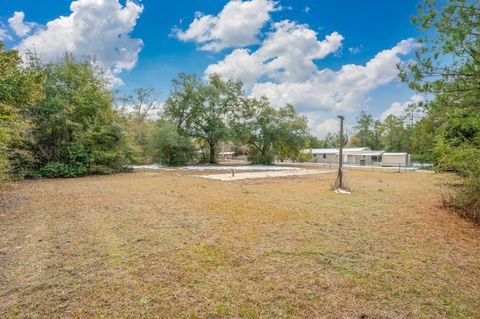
{"x": 167, "y": 244}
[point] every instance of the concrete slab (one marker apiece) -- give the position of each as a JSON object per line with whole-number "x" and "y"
{"x": 255, "y": 175}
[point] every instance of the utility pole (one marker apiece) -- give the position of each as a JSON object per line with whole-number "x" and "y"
{"x": 340, "y": 160}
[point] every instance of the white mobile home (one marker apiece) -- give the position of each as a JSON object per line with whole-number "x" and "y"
{"x": 330, "y": 155}
{"x": 359, "y": 156}
{"x": 324, "y": 155}
{"x": 395, "y": 159}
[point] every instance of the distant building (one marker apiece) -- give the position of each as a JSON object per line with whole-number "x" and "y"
{"x": 359, "y": 156}
{"x": 226, "y": 155}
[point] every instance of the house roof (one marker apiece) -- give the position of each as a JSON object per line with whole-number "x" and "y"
{"x": 366, "y": 153}
{"x": 336, "y": 150}
{"x": 393, "y": 154}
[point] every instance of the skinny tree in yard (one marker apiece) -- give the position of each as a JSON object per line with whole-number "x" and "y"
{"x": 413, "y": 113}
{"x": 139, "y": 110}
{"x": 204, "y": 111}
{"x": 364, "y": 128}
{"x": 394, "y": 135}
{"x": 295, "y": 133}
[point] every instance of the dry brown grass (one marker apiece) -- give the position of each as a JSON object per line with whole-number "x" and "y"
{"x": 171, "y": 245}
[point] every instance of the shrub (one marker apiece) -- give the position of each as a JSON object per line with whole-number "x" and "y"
{"x": 23, "y": 164}
{"x": 256, "y": 157}
{"x": 59, "y": 169}
{"x": 466, "y": 201}
{"x": 464, "y": 160}
{"x": 169, "y": 147}
{"x": 4, "y": 168}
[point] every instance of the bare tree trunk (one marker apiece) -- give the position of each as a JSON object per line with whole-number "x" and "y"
{"x": 212, "y": 154}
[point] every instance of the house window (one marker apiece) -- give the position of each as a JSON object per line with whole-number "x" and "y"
{"x": 324, "y": 155}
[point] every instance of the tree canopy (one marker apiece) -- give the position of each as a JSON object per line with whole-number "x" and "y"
{"x": 269, "y": 131}
{"x": 448, "y": 67}
{"x": 204, "y": 110}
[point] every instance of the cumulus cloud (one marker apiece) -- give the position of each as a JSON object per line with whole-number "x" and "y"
{"x": 397, "y": 108}
{"x": 283, "y": 70}
{"x": 237, "y": 25}
{"x": 19, "y": 26}
{"x": 326, "y": 126}
{"x": 345, "y": 90}
{"x": 286, "y": 54}
{"x": 98, "y": 28}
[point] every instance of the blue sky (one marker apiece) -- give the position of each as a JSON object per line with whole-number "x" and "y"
{"x": 145, "y": 44}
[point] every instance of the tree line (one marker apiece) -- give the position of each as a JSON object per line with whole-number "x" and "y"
{"x": 198, "y": 116}
{"x": 447, "y": 67}
{"x": 396, "y": 133}
{"x": 62, "y": 120}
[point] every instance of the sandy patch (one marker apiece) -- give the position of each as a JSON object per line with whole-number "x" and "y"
{"x": 254, "y": 175}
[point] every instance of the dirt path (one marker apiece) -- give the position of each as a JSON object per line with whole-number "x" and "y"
{"x": 167, "y": 244}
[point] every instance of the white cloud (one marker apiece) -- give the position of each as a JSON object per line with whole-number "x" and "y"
{"x": 98, "y": 28}
{"x": 355, "y": 50}
{"x": 327, "y": 90}
{"x": 240, "y": 65}
{"x": 286, "y": 54}
{"x": 321, "y": 124}
{"x": 18, "y": 24}
{"x": 237, "y": 25}
{"x": 4, "y": 34}
{"x": 397, "y": 108}
{"x": 327, "y": 126}
{"x": 152, "y": 114}
{"x": 283, "y": 70}
{"x": 306, "y": 9}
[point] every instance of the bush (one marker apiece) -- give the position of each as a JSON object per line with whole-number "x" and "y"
{"x": 4, "y": 168}
{"x": 59, "y": 169}
{"x": 256, "y": 157}
{"x": 169, "y": 147}
{"x": 465, "y": 161}
{"x": 466, "y": 201}
{"x": 23, "y": 164}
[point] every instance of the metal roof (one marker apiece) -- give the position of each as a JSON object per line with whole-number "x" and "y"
{"x": 366, "y": 153}
{"x": 336, "y": 150}
{"x": 393, "y": 154}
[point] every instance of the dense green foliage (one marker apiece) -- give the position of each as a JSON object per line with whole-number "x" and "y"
{"x": 75, "y": 129}
{"x": 217, "y": 111}
{"x": 394, "y": 134}
{"x": 167, "y": 146}
{"x": 58, "y": 120}
{"x": 138, "y": 112}
{"x": 448, "y": 67}
{"x": 204, "y": 110}
{"x": 269, "y": 132}
{"x": 62, "y": 120}
{"x": 20, "y": 88}
{"x": 367, "y": 132}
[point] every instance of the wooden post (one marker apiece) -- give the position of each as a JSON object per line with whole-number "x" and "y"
{"x": 340, "y": 161}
